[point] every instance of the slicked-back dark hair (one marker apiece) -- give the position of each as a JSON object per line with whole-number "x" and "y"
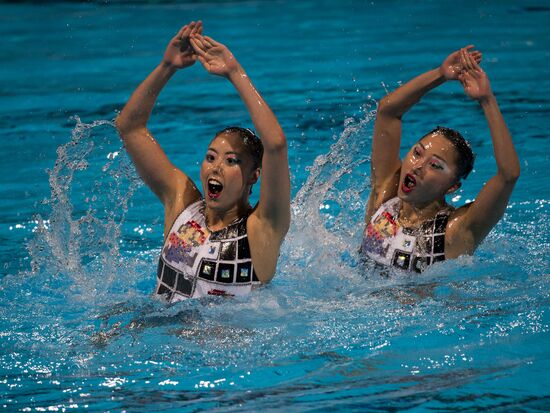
{"x": 464, "y": 151}
{"x": 251, "y": 141}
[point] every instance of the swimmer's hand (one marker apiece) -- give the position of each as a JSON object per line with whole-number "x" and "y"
{"x": 180, "y": 53}
{"x": 215, "y": 57}
{"x": 473, "y": 78}
{"x": 452, "y": 66}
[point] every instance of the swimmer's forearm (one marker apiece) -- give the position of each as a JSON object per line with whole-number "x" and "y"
{"x": 273, "y": 210}
{"x": 262, "y": 116}
{"x": 398, "y": 102}
{"x": 490, "y": 204}
{"x": 137, "y": 111}
{"x": 505, "y": 153}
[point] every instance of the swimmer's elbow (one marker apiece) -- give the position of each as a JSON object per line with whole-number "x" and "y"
{"x": 276, "y": 144}
{"x": 514, "y": 177}
{"x": 384, "y": 104}
{"x": 511, "y": 174}
{"x": 516, "y": 173}
{"x": 121, "y": 125}
{"x": 126, "y": 127}
{"x": 388, "y": 107}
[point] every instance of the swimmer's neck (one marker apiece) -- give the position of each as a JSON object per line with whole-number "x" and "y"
{"x": 414, "y": 215}
{"x": 217, "y": 219}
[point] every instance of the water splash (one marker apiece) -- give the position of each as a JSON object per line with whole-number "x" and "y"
{"x": 91, "y": 184}
{"x": 328, "y": 207}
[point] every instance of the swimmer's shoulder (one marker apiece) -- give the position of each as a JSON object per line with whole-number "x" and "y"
{"x": 458, "y": 214}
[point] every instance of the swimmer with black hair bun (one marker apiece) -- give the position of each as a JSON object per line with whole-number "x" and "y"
{"x": 217, "y": 244}
{"x": 409, "y": 224}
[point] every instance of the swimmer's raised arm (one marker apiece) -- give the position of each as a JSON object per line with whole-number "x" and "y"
{"x": 385, "y": 162}
{"x": 164, "y": 179}
{"x": 473, "y": 222}
{"x": 269, "y": 223}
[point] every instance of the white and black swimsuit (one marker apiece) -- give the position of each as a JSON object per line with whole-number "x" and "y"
{"x": 388, "y": 243}
{"x": 195, "y": 262}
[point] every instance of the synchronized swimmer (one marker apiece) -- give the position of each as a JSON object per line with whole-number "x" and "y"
{"x": 218, "y": 244}
{"x": 409, "y": 224}
{"x": 215, "y": 244}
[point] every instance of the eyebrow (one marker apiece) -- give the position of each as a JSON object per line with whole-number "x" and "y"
{"x": 441, "y": 159}
{"x": 226, "y": 153}
{"x": 435, "y": 156}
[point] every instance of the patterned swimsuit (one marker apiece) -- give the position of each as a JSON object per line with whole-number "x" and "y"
{"x": 195, "y": 262}
{"x": 388, "y": 243}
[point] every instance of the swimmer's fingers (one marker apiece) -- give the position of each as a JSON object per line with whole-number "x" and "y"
{"x": 477, "y": 56}
{"x": 464, "y": 61}
{"x": 466, "y": 49}
{"x": 179, "y": 52}
{"x": 197, "y": 43}
{"x": 201, "y": 41}
{"x": 463, "y": 76}
{"x": 475, "y": 53}
{"x": 469, "y": 61}
{"x": 475, "y": 64}
{"x": 185, "y": 31}
{"x": 196, "y": 29}
{"x": 180, "y": 33}
{"x": 466, "y": 53}
{"x": 453, "y": 64}
{"x": 210, "y": 42}
{"x": 207, "y": 43}
{"x": 198, "y": 46}
{"x": 472, "y": 65}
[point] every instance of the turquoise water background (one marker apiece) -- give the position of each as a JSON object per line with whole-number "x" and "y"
{"x": 80, "y": 235}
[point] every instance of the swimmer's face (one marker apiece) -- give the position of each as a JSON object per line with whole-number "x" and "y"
{"x": 227, "y": 172}
{"x": 429, "y": 171}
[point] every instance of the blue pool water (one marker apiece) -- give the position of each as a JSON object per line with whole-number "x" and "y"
{"x": 79, "y": 330}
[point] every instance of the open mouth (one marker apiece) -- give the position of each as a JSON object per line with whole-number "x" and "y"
{"x": 215, "y": 188}
{"x": 408, "y": 183}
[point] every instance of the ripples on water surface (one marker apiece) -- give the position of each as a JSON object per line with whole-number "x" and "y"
{"x": 79, "y": 329}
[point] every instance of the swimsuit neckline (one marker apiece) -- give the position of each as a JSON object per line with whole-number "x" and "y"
{"x": 236, "y": 221}
{"x": 414, "y": 230}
